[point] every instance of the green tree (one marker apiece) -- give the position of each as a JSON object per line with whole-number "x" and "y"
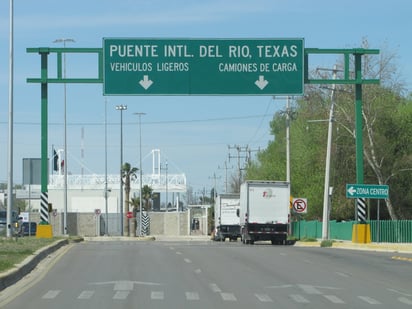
{"x": 147, "y": 193}
{"x": 128, "y": 175}
{"x": 387, "y": 136}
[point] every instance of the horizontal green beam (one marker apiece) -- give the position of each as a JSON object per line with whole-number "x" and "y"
{"x": 307, "y": 51}
{"x": 59, "y": 51}
{"x": 67, "y": 50}
{"x": 341, "y": 81}
{"x": 346, "y": 53}
{"x": 351, "y": 51}
{"x": 66, "y": 80}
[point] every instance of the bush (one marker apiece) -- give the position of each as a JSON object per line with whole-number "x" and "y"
{"x": 326, "y": 243}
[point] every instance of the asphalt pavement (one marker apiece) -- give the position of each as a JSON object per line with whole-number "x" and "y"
{"x": 195, "y": 272}
{"x": 402, "y": 251}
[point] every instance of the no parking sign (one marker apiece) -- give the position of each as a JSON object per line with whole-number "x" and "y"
{"x": 300, "y": 205}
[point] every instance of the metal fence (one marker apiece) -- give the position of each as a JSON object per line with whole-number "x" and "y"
{"x": 399, "y": 231}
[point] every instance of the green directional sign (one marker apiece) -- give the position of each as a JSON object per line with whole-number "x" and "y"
{"x": 203, "y": 66}
{"x": 367, "y": 191}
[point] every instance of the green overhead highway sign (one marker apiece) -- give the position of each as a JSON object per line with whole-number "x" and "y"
{"x": 203, "y": 66}
{"x": 367, "y": 191}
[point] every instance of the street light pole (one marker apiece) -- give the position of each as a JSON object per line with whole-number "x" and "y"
{"x": 63, "y": 40}
{"x": 121, "y": 108}
{"x": 11, "y": 107}
{"x": 167, "y": 189}
{"x": 106, "y": 204}
{"x": 140, "y": 170}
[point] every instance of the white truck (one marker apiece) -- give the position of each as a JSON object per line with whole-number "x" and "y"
{"x": 226, "y": 218}
{"x": 264, "y": 211}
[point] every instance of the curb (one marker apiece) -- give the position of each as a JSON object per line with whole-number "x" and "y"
{"x": 12, "y": 276}
{"x": 382, "y": 247}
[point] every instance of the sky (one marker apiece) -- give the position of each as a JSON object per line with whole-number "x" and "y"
{"x": 193, "y": 133}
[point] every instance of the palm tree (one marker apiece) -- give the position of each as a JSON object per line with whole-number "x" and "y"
{"x": 128, "y": 174}
{"x": 147, "y": 193}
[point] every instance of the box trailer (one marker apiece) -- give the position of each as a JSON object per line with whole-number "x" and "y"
{"x": 226, "y": 217}
{"x": 264, "y": 211}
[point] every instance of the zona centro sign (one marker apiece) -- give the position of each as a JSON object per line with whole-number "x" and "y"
{"x": 203, "y": 66}
{"x": 367, "y": 191}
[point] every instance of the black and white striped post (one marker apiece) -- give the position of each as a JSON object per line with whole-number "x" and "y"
{"x": 44, "y": 207}
{"x": 361, "y": 210}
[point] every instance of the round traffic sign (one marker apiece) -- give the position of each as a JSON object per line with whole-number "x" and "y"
{"x": 300, "y": 205}
{"x": 129, "y": 215}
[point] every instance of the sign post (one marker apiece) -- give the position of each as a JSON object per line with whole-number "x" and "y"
{"x": 203, "y": 66}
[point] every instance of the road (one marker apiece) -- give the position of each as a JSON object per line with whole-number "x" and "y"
{"x": 205, "y": 274}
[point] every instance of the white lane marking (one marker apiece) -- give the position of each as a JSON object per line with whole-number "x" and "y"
{"x": 308, "y": 261}
{"x": 51, "y": 294}
{"x": 215, "y": 288}
{"x": 121, "y": 295}
{"x": 188, "y": 261}
{"x": 228, "y": 296}
{"x": 342, "y": 274}
{"x": 405, "y": 300}
{"x": 283, "y": 254}
{"x": 334, "y": 299}
{"x": 264, "y": 298}
{"x": 280, "y": 286}
{"x": 369, "y": 300}
{"x": 85, "y": 295}
{"x": 178, "y": 252}
{"x": 123, "y": 285}
{"x": 159, "y": 295}
{"x": 399, "y": 292}
{"x": 299, "y": 298}
{"x": 198, "y": 271}
{"x": 309, "y": 289}
{"x": 192, "y": 296}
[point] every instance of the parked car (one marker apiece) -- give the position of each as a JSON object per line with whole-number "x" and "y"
{"x": 25, "y": 231}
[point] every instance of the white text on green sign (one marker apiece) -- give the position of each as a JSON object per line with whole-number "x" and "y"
{"x": 367, "y": 191}
{"x": 203, "y": 67}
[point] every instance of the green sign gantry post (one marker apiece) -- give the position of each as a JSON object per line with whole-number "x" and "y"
{"x": 44, "y": 80}
{"x": 252, "y": 72}
{"x": 357, "y": 54}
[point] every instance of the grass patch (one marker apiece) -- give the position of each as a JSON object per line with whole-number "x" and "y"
{"x": 308, "y": 239}
{"x": 326, "y": 243}
{"x": 14, "y": 251}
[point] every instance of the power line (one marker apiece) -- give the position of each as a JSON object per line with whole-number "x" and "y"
{"x": 146, "y": 123}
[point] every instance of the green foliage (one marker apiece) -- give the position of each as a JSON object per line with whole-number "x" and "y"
{"x": 14, "y": 251}
{"x": 387, "y": 150}
{"x": 326, "y": 243}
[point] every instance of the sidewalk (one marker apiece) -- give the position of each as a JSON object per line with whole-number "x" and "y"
{"x": 382, "y": 247}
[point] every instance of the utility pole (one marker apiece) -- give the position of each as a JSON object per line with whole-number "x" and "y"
{"x": 242, "y": 153}
{"x": 214, "y": 177}
{"x": 226, "y": 169}
{"x": 326, "y": 190}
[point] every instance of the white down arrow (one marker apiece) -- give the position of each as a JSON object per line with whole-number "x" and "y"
{"x": 261, "y": 82}
{"x": 146, "y": 82}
